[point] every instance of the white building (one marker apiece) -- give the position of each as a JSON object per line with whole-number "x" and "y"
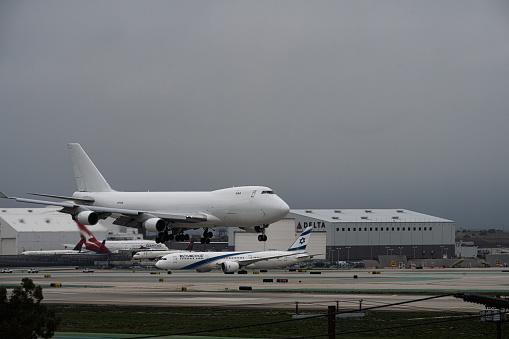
{"x": 34, "y": 229}
{"x": 352, "y": 234}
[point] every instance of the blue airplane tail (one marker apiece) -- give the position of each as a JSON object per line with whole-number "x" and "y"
{"x": 302, "y": 241}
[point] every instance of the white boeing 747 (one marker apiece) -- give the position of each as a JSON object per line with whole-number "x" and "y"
{"x": 231, "y": 262}
{"x": 252, "y": 208}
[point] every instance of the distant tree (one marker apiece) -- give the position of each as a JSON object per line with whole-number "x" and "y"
{"x": 23, "y": 316}
{"x": 464, "y": 231}
{"x": 492, "y": 230}
{"x": 467, "y": 236}
{"x": 483, "y": 233}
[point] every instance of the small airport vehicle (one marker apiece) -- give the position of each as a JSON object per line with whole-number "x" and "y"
{"x": 33, "y": 270}
{"x": 6, "y": 270}
{"x": 88, "y": 270}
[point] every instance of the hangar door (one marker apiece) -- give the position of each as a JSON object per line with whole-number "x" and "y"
{"x": 8, "y": 246}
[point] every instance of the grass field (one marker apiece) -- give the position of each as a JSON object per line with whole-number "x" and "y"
{"x": 234, "y": 322}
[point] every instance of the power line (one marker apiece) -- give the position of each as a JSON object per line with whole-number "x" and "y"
{"x": 290, "y": 320}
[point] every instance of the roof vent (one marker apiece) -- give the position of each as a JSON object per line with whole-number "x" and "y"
{"x": 368, "y": 211}
{"x": 395, "y": 217}
{"x": 4, "y": 211}
{"x": 22, "y": 221}
{"x": 30, "y": 211}
{"x": 309, "y": 211}
{"x": 337, "y": 211}
{"x": 364, "y": 218}
{"x": 47, "y": 221}
{"x": 335, "y": 218}
{"x": 400, "y": 211}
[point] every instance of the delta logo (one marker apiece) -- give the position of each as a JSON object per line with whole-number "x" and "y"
{"x": 314, "y": 224}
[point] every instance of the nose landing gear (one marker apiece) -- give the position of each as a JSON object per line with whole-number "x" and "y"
{"x": 263, "y": 236}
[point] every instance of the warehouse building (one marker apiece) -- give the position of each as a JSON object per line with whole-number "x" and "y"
{"x": 35, "y": 229}
{"x": 357, "y": 234}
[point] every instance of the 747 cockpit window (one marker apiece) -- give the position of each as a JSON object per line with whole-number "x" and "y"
{"x": 268, "y": 192}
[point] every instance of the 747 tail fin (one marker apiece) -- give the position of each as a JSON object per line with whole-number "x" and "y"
{"x": 88, "y": 177}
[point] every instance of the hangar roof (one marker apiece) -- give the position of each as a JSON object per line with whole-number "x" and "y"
{"x": 365, "y": 215}
{"x": 39, "y": 220}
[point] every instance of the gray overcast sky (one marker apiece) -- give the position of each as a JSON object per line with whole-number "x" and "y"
{"x": 333, "y": 104}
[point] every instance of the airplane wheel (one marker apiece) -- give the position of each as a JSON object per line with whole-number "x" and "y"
{"x": 186, "y": 237}
{"x": 171, "y": 236}
{"x": 158, "y": 240}
{"x": 202, "y": 240}
{"x": 166, "y": 237}
{"x": 207, "y": 240}
{"x": 260, "y": 237}
{"x": 210, "y": 235}
{"x": 264, "y": 237}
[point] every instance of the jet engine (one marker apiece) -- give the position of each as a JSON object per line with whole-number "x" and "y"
{"x": 230, "y": 266}
{"x": 154, "y": 225}
{"x": 87, "y": 218}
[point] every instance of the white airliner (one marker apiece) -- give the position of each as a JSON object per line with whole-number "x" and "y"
{"x": 235, "y": 261}
{"x": 252, "y": 208}
{"x": 154, "y": 254}
{"x": 75, "y": 250}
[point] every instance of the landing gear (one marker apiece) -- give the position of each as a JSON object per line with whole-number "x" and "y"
{"x": 177, "y": 235}
{"x": 263, "y": 236}
{"x": 206, "y": 236}
{"x": 163, "y": 237}
{"x": 182, "y": 237}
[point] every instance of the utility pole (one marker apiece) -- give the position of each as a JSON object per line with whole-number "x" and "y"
{"x": 332, "y": 322}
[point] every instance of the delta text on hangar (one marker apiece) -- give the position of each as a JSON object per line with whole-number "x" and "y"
{"x": 357, "y": 234}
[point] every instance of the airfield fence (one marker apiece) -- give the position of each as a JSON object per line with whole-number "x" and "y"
{"x": 47, "y": 260}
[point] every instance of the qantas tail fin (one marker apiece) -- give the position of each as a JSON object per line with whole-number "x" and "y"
{"x": 88, "y": 177}
{"x": 91, "y": 243}
{"x": 302, "y": 241}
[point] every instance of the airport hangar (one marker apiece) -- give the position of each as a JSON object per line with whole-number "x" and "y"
{"x": 357, "y": 234}
{"x": 35, "y": 229}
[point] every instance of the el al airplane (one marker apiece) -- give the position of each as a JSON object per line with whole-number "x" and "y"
{"x": 252, "y": 208}
{"x": 75, "y": 250}
{"x": 154, "y": 254}
{"x": 92, "y": 244}
{"x": 231, "y": 262}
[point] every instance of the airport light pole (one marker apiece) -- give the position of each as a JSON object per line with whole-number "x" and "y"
{"x": 414, "y": 247}
{"x": 348, "y": 254}
{"x": 387, "y": 248}
{"x": 446, "y": 252}
{"x": 339, "y": 249}
{"x": 400, "y": 248}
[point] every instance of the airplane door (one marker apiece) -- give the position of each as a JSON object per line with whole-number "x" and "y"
{"x": 253, "y": 194}
{"x": 175, "y": 259}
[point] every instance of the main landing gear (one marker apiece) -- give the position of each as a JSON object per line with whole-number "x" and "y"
{"x": 206, "y": 236}
{"x": 165, "y": 236}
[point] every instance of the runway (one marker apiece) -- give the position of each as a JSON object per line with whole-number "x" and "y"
{"x": 308, "y": 291}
